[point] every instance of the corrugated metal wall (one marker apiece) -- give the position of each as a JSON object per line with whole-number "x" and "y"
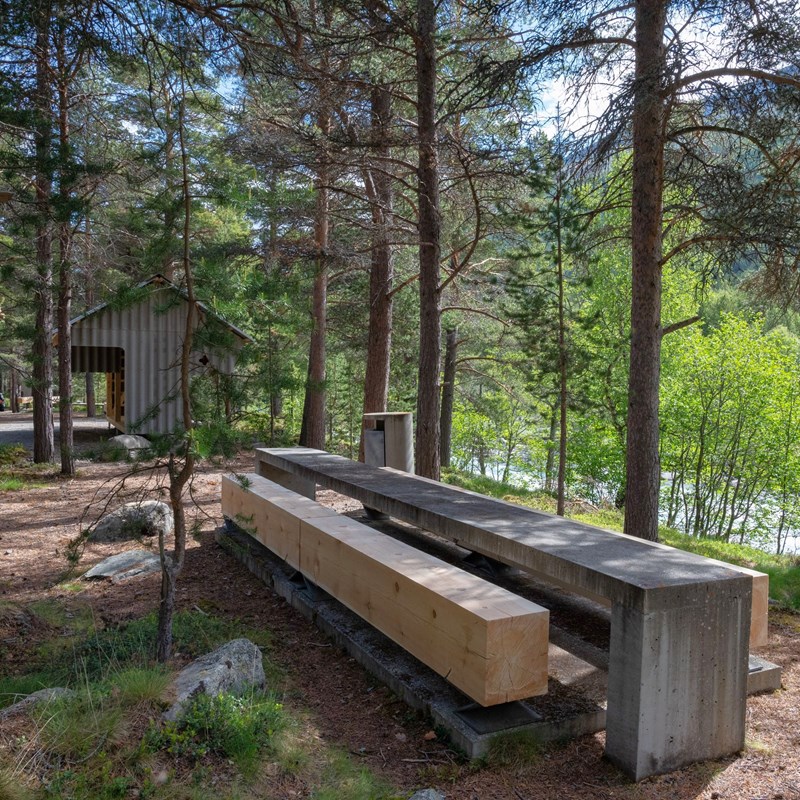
{"x": 151, "y": 334}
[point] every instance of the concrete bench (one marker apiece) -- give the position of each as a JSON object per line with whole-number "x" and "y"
{"x": 680, "y": 623}
{"x": 486, "y": 641}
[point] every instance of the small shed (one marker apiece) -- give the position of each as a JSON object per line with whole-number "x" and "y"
{"x": 137, "y": 343}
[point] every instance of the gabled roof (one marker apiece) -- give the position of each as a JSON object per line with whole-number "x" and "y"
{"x": 160, "y": 281}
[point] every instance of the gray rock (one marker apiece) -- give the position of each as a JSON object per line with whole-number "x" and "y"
{"x": 122, "y": 566}
{"x": 426, "y": 794}
{"x": 129, "y": 442}
{"x": 132, "y": 520}
{"x": 42, "y": 696}
{"x": 234, "y": 667}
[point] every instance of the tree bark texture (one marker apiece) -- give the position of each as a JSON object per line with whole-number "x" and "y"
{"x": 312, "y": 431}
{"x": 42, "y": 388}
{"x": 65, "y": 437}
{"x": 379, "y": 332}
{"x": 649, "y": 113}
{"x": 561, "y": 484}
{"x": 550, "y": 463}
{"x": 448, "y": 396}
{"x": 428, "y": 395}
{"x": 91, "y": 402}
{"x": 14, "y": 399}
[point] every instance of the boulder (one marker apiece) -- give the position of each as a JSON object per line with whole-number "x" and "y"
{"x": 42, "y": 696}
{"x": 233, "y": 667}
{"x": 129, "y": 442}
{"x": 133, "y": 520}
{"x": 122, "y": 566}
{"x": 426, "y": 794}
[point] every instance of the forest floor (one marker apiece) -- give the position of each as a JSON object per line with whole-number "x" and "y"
{"x": 340, "y": 705}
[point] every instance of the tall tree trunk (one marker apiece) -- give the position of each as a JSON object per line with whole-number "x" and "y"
{"x": 430, "y": 333}
{"x": 312, "y": 430}
{"x": 550, "y": 464}
{"x": 448, "y": 395}
{"x": 43, "y": 439}
{"x": 379, "y": 333}
{"x": 649, "y": 113}
{"x": 14, "y": 400}
{"x": 562, "y": 356}
{"x": 65, "y": 435}
{"x": 91, "y": 401}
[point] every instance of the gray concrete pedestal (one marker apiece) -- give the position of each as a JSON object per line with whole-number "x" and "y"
{"x": 678, "y": 676}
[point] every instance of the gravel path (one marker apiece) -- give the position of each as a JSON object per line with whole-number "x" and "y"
{"x": 18, "y": 429}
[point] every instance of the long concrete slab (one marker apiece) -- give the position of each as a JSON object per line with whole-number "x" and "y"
{"x": 680, "y": 624}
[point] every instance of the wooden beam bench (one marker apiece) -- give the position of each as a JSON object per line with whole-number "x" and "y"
{"x": 680, "y": 623}
{"x": 486, "y": 641}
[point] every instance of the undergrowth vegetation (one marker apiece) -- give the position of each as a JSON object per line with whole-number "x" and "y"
{"x": 783, "y": 570}
{"x": 17, "y": 472}
{"x": 103, "y": 737}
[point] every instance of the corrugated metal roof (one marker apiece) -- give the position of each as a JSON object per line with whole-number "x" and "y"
{"x": 161, "y": 280}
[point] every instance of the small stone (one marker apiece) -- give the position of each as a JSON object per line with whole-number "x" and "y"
{"x": 427, "y": 794}
{"x": 122, "y": 566}
{"x": 42, "y": 696}
{"x": 429, "y": 736}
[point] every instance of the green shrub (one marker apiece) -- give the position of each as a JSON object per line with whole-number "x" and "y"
{"x": 106, "y": 452}
{"x": 237, "y": 727}
{"x": 12, "y": 454}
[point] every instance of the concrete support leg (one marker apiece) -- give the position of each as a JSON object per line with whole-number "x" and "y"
{"x": 678, "y": 676}
{"x": 295, "y": 483}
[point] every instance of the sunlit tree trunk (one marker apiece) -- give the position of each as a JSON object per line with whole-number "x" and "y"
{"x": 448, "y": 396}
{"x": 649, "y": 119}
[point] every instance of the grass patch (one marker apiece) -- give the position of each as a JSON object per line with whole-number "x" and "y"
{"x": 134, "y": 644}
{"x": 18, "y": 473}
{"x": 10, "y": 786}
{"x": 520, "y": 750}
{"x": 783, "y": 570}
{"x": 15, "y": 687}
{"x": 106, "y": 740}
{"x": 12, "y": 454}
{"x": 344, "y": 780}
{"x": 139, "y": 686}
